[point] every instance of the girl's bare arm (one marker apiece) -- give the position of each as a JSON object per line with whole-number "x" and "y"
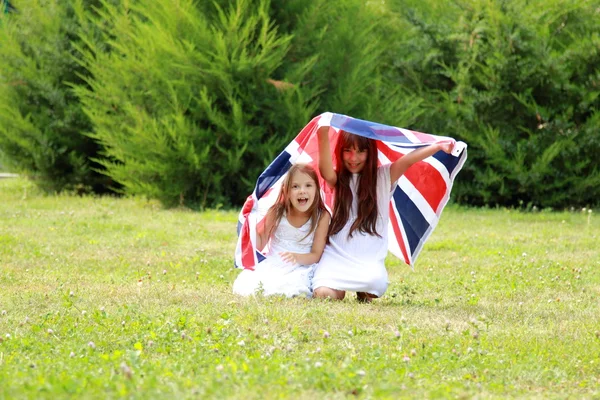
{"x": 325, "y": 163}
{"x": 317, "y": 247}
{"x": 400, "y": 166}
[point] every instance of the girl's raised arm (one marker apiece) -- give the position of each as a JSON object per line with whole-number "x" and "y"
{"x": 400, "y": 166}
{"x": 325, "y": 163}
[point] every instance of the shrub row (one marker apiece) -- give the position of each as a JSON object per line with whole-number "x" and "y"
{"x": 187, "y": 101}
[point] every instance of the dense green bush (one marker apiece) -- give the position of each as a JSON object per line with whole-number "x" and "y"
{"x": 191, "y": 103}
{"x": 188, "y": 101}
{"x": 181, "y": 104}
{"x": 519, "y": 81}
{"x": 41, "y": 120}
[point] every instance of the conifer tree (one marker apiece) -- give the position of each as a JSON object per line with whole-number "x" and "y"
{"x": 41, "y": 120}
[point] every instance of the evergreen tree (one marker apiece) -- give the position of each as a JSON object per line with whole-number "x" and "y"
{"x": 41, "y": 120}
{"x": 518, "y": 82}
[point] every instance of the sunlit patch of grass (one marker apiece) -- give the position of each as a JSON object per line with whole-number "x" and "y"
{"x": 107, "y": 297}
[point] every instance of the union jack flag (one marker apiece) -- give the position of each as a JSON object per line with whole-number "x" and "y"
{"x": 417, "y": 202}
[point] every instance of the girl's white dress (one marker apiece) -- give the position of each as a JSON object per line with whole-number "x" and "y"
{"x": 356, "y": 264}
{"x": 275, "y": 276}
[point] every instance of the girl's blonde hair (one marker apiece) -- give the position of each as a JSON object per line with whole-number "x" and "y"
{"x": 283, "y": 204}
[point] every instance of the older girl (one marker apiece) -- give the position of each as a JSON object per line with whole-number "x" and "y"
{"x": 354, "y": 258}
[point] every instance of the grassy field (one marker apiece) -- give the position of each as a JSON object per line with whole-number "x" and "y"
{"x": 108, "y": 298}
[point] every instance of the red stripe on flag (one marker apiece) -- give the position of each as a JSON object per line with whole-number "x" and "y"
{"x": 425, "y": 177}
{"x": 304, "y": 136}
{"x": 429, "y": 182}
{"x": 398, "y": 234}
{"x": 247, "y": 248}
{"x": 391, "y": 154}
{"x": 248, "y": 205}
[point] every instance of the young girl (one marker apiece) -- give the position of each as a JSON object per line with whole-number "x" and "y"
{"x": 357, "y": 246}
{"x": 296, "y": 229}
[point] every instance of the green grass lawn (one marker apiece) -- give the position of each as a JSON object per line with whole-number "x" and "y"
{"x": 108, "y": 297}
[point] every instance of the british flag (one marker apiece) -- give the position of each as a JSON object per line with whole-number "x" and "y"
{"x": 417, "y": 201}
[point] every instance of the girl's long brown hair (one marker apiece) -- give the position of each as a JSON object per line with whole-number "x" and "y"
{"x": 284, "y": 205}
{"x": 366, "y": 220}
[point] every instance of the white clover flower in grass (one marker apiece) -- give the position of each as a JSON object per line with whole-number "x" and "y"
{"x": 219, "y": 367}
{"x": 102, "y": 309}
{"x": 411, "y": 375}
{"x": 8, "y": 335}
{"x": 241, "y": 343}
{"x": 406, "y": 358}
{"x": 50, "y": 331}
{"x": 83, "y": 312}
{"x": 318, "y": 364}
{"x": 361, "y": 373}
{"x": 326, "y": 334}
{"x": 71, "y": 355}
{"x": 4, "y": 312}
{"x": 71, "y": 293}
{"x": 413, "y": 352}
{"x": 126, "y": 370}
{"x": 164, "y": 271}
{"x": 92, "y": 345}
{"x": 397, "y": 334}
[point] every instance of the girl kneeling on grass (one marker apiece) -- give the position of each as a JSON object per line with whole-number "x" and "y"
{"x": 296, "y": 230}
{"x": 354, "y": 257}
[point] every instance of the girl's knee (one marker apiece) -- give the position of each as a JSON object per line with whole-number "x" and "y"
{"x": 323, "y": 292}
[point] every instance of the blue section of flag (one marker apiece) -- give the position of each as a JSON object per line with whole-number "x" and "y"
{"x": 448, "y": 160}
{"x": 371, "y": 130}
{"x": 415, "y": 225}
{"x": 274, "y": 171}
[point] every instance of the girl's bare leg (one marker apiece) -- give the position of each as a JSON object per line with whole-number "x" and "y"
{"x": 365, "y": 297}
{"x": 323, "y": 292}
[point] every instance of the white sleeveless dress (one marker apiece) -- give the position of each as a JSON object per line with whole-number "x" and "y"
{"x": 357, "y": 264}
{"x": 275, "y": 276}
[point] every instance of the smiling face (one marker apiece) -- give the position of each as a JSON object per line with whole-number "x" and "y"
{"x": 302, "y": 191}
{"x": 355, "y": 154}
{"x": 354, "y": 159}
